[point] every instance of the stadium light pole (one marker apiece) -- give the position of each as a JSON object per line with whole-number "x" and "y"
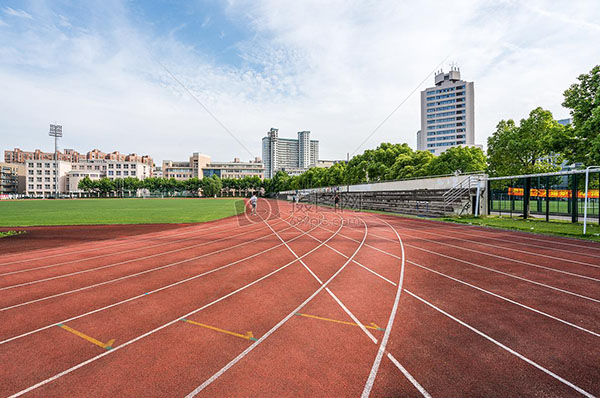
{"x": 56, "y": 132}
{"x": 587, "y": 176}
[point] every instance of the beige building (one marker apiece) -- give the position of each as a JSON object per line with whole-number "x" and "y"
{"x": 69, "y": 155}
{"x": 12, "y": 178}
{"x": 236, "y": 169}
{"x": 186, "y": 169}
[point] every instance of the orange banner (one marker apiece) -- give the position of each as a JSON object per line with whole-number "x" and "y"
{"x": 553, "y": 193}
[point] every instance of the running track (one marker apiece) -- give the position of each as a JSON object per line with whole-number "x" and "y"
{"x": 303, "y": 301}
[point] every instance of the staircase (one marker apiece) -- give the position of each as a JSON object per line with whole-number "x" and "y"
{"x": 459, "y": 196}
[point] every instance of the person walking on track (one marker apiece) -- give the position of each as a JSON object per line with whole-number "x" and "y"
{"x": 253, "y": 201}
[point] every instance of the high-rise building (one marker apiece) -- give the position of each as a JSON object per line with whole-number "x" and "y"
{"x": 447, "y": 114}
{"x": 294, "y": 156}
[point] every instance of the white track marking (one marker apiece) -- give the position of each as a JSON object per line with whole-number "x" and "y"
{"x": 503, "y": 273}
{"x": 409, "y": 376}
{"x": 277, "y": 326}
{"x": 176, "y": 320}
{"x": 504, "y": 347}
{"x": 482, "y": 267}
{"x": 115, "y": 264}
{"x": 150, "y": 292}
{"x": 353, "y": 317}
{"x": 138, "y": 273}
{"x": 388, "y": 330}
{"x": 506, "y": 299}
{"x": 512, "y": 233}
{"x": 503, "y": 257}
{"x": 122, "y": 252}
{"x": 507, "y": 248}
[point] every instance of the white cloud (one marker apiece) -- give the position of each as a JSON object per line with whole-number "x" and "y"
{"x": 17, "y": 13}
{"x": 337, "y": 70}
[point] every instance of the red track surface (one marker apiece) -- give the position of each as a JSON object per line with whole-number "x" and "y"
{"x": 339, "y": 304}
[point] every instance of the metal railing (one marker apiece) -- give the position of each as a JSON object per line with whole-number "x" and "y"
{"x": 458, "y": 191}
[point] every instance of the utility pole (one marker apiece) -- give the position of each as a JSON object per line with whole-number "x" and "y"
{"x": 56, "y": 132}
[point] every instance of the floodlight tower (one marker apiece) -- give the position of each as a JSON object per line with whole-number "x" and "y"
{"x": 56, "y": 132}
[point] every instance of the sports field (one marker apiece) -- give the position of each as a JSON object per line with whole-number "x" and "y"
{"x": 15, "y": 213}
{"x": 300, "y": 301}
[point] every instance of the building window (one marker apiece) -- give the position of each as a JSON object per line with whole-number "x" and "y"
{"x": 30, "y": 186}
{"x": 110, "y": 172}
{"x": 110, "y": 165}
{"x": 118, "y": 165}
{"x": 30, "y": 164}
{"x": 118, "y": 172}
{"x": 30, "y": 172}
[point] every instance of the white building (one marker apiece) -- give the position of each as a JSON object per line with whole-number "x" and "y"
{"x": 293, "y": 156}
{"x": 41, "y": 174}
{"x": 447, "y": 114}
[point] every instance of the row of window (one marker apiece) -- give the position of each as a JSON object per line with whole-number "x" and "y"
{"x": 39, "y": 186}
{"x": 118, "y": 173}
{"x": 445, "y": 90}
{"x": 434, "y": 115}
{"x": 443, "y": 108}
{"x": 39, "y": 179}
{"x": 446, "y": 138}
{"x": 438, "y": 144}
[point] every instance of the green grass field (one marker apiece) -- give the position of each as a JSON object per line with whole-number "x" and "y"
{"x": 26, "y": 213}
{"x": 556, "y": 206}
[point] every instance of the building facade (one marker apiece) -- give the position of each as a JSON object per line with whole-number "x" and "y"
{"x": 12, "y": 178}
{"x": 447, "y": 114}
{"x": 69, "y": 155}
{"x": 293, "y": 156}
{"x": 235, "y": 169}
{"x": 42, "y": 176}
{"x": 185, "y": 170}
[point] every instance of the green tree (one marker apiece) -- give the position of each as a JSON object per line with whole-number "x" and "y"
{"x": 582, "y": 142}
{"x": 459, "y": 159}
{"x": 527, "y": 148}
{"x": 212, "y": 186}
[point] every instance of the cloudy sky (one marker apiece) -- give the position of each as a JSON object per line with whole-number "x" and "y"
{"x": 116, "y": 74}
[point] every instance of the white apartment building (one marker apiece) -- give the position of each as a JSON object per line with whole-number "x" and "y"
{"x": 184, "y": 170}
{"x": 41, "y": 174}
{"x": 447, "y": 114}
{"x": 293, "y": 156}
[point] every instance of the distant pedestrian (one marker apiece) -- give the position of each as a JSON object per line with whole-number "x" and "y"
{"x": 336, "y": 201}
{"x": 253, "y": 201}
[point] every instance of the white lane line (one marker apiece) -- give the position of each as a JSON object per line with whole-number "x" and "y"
{"x": 174, "y": 321}
{"x": 388, "y": 330}
{"x": 350, "y": 314}
{"x": 506, "y": 299}
{"x": 507, "y": 248}
{"x": 409, "y": 376}
{"x": 104, "y": 243}
{"x": 507, "y": 274}
{"x": 504, "y": 240}
{"x": 505, "y": 232}
{"x": 113, "y": 264}
{"x": 136, "y": 274}
{"x": 345, "y": 256}
{"x": 357, "y": 321}
{"x": 478, "y": 266}
{"x": 122, "y": 252}
{"x": 150, "y": 292}
{"x": 277, "y": 326}
{"x": 502, "y": 257}
{"x": 504, "y": 347}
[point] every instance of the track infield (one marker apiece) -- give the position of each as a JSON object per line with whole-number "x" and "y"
{"x": 299, "y": 301}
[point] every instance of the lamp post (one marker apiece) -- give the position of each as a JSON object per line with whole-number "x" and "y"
{"x": 56, "y": 132}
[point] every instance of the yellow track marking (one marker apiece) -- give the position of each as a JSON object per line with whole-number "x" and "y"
{"x": 370, "y": 326}
{"x": 92, "y": 340}
{"x": 247, "y": 336}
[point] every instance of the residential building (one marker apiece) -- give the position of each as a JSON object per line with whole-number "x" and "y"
{"x": 41, "y": 175}
{"x": 293, "y": 156}
{"x": 327, "y": 163}
{"x": 12, "y": 178}
{"x": 235, "y": 169}
{"x": 447, "y": 113}
{"x": 69, "y": 155}
{"x": 184, "y": 170}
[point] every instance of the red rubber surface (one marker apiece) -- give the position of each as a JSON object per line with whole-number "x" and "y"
{"x": 481, "y": 312}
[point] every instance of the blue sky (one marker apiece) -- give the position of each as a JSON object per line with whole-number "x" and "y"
{"x": 336, "y": 68}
